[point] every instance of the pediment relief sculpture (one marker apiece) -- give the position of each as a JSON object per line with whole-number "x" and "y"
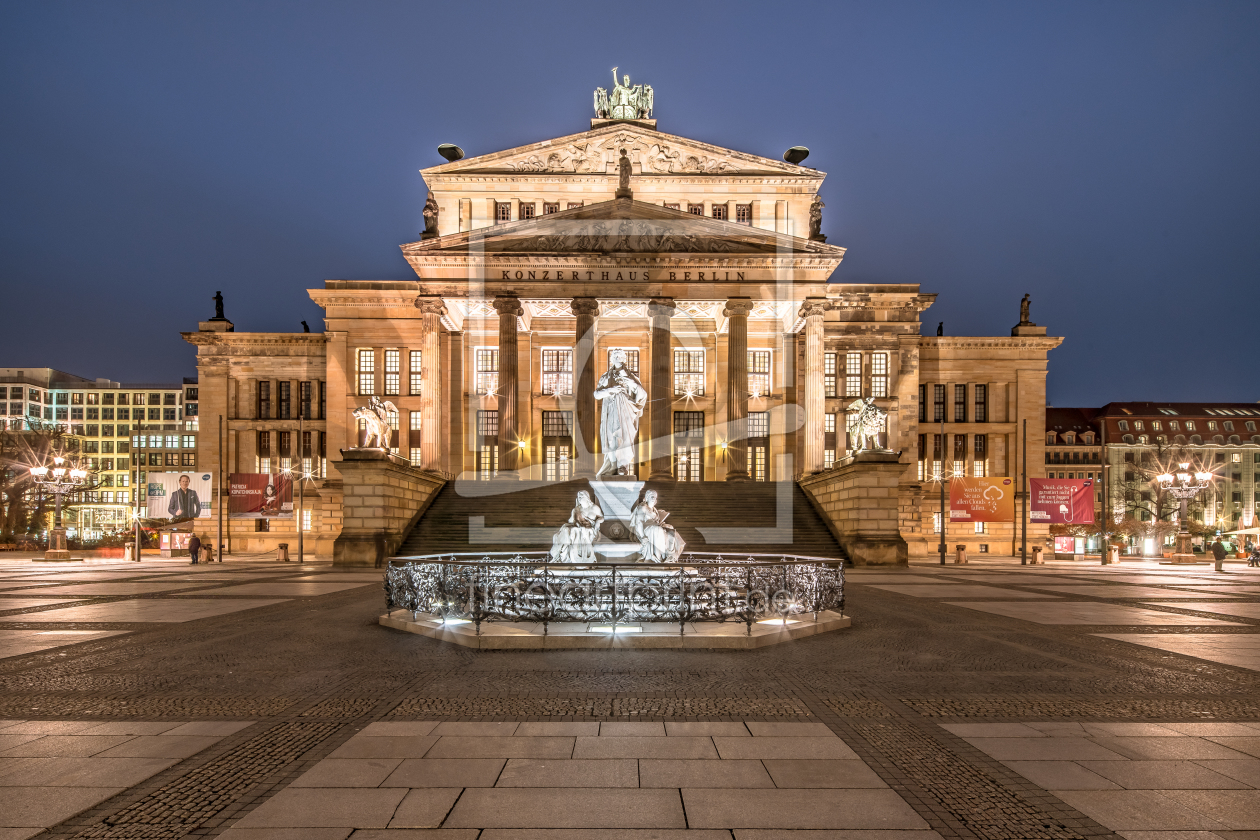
{"x": 624, "y": 236}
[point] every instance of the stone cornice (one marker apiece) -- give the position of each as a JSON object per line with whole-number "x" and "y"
{"x": 314, "y": 341}
{"x": 979, "y": 342}
{"x": 366, "y": 298}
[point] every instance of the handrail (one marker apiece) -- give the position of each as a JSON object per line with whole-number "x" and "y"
{"x": 719, "y": 557}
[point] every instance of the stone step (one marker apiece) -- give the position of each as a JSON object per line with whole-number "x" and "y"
{"x": 539, "y": 508}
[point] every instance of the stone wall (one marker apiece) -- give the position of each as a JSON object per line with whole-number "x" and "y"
{"x": 384, "y": 496}
{"x": 861, "y": 499}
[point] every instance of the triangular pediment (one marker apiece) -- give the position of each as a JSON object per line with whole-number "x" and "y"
{"x": 597, "y": 151}
{"x": 623, "y": 226}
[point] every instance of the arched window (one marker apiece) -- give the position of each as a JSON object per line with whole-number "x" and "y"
{"x": 1219, "y": 440}
{"x": 1180, "y": 440}
{"x": 1127, "y": 438}
{"x": 1235, "y": 440}
{"x": 1195, "y": 440}
{"x": 1143, "y": 439}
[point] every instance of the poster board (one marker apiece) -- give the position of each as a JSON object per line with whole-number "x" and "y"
{"x": 168, "y": 498}
{"x": 260, "y": 496}
{"x": 1064, "y": 501}
{"x": 981, "y": 499}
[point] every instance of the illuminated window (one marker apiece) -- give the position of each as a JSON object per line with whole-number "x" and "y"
{"x": 829, "y": 375}
{"x": 688, "y": 373}
{"x": 487, "y": 369}
{"x": 557, "y": 371}
{"x": 367, "y": 371}
{"x": 879, "y": 374}
{"x": 829, "y": 423}
{"x": 557, "y": 445}
{"x": 632, "y": 358}
{"x": 415, "y": 373}
{"x": 393, "y": 372}
{"x": 980, "y": 528}
{"x": 980, "y": 456}
{"x": 758, "y": 373}
{"x": 853, "y": 374}
{"x": 688, "y": 445}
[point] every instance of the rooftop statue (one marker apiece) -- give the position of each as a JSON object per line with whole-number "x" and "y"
{"x": 625, "y": 102}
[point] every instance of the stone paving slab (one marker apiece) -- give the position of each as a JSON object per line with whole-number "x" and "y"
{"x": 1086, "y": 613}
{"x": 1239, "y": 651}
{"x": 143, "y": 611}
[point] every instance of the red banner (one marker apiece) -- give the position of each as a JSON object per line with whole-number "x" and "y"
{"x": 260, "y": 496}
{"x": 1066, "y": 501}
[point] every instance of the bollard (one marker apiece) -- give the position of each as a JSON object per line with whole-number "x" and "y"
{"x": 1036, "y": 558}
{"x": 282, "y": 552}
{"x": 960, "y": 555}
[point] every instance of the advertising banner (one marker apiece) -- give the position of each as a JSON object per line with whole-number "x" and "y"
{"x": 179, "y": 495}
{"x": 260, "y": 496}
{"x": 1068, "y": 501}
{"x": 981, "y": 500}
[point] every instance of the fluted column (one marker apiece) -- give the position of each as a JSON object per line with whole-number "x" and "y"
{"x": 815, "y": 402}
{"x": 585, "y": 308}
{"x": 431, "y": 309}
{"x": 660, "y": 310}
{"x": 509, "y": 309}
{"x": 736, "y": 312}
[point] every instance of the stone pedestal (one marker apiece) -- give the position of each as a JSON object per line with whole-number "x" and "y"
{"x": 58, "y": 549}
{"x": 1184, "y": 555}
{"x": 859, "y": 497}
{"x": 384, "y": 497}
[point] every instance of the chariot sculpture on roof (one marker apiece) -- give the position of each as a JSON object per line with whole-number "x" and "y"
{"x": 625, "y": 102}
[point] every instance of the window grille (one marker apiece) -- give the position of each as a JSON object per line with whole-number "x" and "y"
{"x": 758, "y": 373}
{"x": 879, "y": 374}
{"x": 367, "y": 372}
{"x": 557, "y": 371}
{"x": 393, "y": 372}
{"x": 688, "y": 372}
{"x": 829, "y": 375}
{"x": 487, "y": 364}
{"x": 853, "y": 374}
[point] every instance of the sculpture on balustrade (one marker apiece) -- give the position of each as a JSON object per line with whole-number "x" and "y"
{"x": 658, "y": 542}
{"x": 573, "y": 543}
{"x": 377, "y": 428}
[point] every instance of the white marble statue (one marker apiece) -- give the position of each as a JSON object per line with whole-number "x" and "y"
{"x": 658, "y": 542}
{"x": 375, "y": 416}
{"x": 865, "y": 421}
{"x": 573, "y": 542}
{"x": 623, "y": 397}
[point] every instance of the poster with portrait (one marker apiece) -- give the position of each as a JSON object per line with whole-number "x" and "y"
{"x": 1062, "y": 501}
{"x": 981, "y": 500}
{"x": 179, "y": 495}
{"x": 260, "y": 496}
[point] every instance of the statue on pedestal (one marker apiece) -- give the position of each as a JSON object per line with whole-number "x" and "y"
{"x": 815, "y": 220}
{"x": 375, "y": 416}
{"x": 625, "y": 101}
{"x": 573, "y": 542}
{"x": 430, "y": 214}
{"x": 658, "y": 542}
{"x": 1023, "y": 313}
{"x": 864, "y": 422}
{"x": 623, "y": 397}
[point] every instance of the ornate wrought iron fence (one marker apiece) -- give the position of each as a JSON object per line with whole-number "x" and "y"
{"x": 526, "y": 587}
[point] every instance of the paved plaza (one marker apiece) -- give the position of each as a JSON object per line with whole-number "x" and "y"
{"x": 263, "y": 700}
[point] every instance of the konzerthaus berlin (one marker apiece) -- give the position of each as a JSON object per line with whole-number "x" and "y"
{"x": 699, "y": 261}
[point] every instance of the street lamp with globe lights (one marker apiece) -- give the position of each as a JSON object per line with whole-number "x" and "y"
{"x": 1184, "y": 485}
{"x": 62, "y": 479}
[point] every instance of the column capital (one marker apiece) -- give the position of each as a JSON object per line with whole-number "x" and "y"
{"x": 584, "y": 306}
{"x": 813, "y": 308}
{"x": 738, "y": 306}
{"x": 430, "y": 305}
{"x": 508, "y": 305}
{"x": 661, "y": 307}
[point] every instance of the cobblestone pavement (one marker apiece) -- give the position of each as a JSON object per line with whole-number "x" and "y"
{"x": 982, "y": 701}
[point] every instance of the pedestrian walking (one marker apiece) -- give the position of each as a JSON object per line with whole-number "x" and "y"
{"x": 1253, "y": 559}
{"x": 1218, "y": 551}
{"x": 194, "y": 549}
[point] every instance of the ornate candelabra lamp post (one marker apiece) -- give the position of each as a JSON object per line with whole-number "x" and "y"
{"x": 60, "y": 480}
{"x": 1184, "y": 486}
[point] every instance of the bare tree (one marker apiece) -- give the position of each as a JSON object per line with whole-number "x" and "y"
{"x": 1139, "y": 493}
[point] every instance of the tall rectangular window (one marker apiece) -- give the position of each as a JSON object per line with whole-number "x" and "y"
{"x": 922, "y": 405}
{"x": 688, "y": 373}
{"x": 829, "y": 375}
{"x": 264, "y": 400}
{"x": 719, "y": 212}
{"x": 264, "y": 452}
{"x": 981, "y": 393}
{"x": 960, "y": 456}
{"x": 743, "y": 214}
{"x": 487, "y": 369}
{"x": 960, "y": 403}
{"x": 922, "y": 457}
{"x": 758, "y": 444}
{"x": 487, "y": 444}
{"x": 393, "y": 372}
{"x": 415, "y": 373}
{"x": 938, "y": 403}
{"x": 414, "y": 439}
{"x": 632, "y": 358}
{"x": 980, "y": 456}
{"x": 557, "y": 371}
{"x": 367, "y": 371}
{"x": 853, "y": 374}
{"x": 557, "y": 442}
{"x": 304, "y": 399}
{"x": 879, "y": 374}
{"x": 284, "y": 399}
{"x": 937, "y": 456}
{"x": 758, "y": 373}
{"x": 688, "y": 445}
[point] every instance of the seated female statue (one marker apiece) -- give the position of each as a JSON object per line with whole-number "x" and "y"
{"x": 658, "y": 542}
{"x": 573, "y": 542}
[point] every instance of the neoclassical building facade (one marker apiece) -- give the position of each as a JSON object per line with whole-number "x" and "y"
{"x": 705, "y": 265}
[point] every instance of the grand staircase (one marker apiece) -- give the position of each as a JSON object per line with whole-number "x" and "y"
{"x": 496, "y": 516}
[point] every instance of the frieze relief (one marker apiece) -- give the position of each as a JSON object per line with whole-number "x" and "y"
{"x": 595, "y": 156}
{"x": 625, "y": 236}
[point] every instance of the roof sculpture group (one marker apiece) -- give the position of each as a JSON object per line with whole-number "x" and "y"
{"x": 626, "y": 102}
